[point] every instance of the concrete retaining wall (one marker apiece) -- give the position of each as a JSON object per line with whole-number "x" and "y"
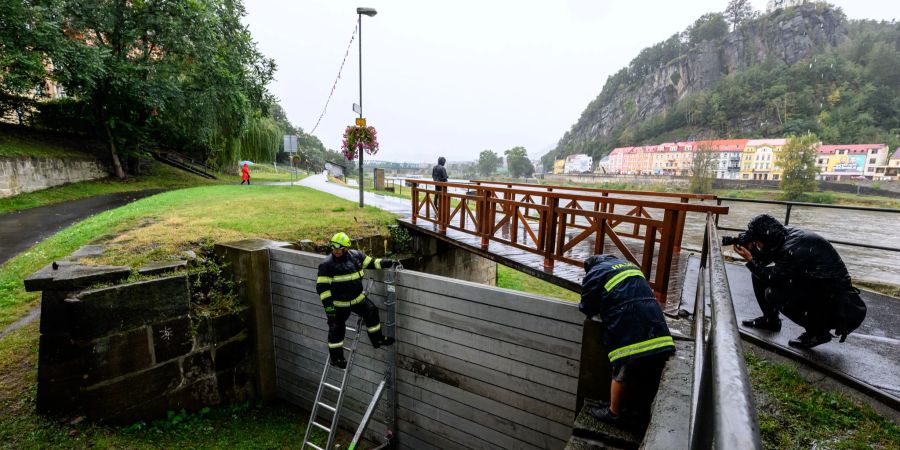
{"x": 479, "y": 367}
{"x": 28, "y": 174}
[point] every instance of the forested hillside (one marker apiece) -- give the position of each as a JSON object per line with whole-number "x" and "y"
{"x": 794, "y": 70}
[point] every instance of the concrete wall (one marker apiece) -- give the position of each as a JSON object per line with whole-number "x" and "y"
{"x": 479, "y": 367}
{"x": 440, "y": 258}
{"x": 28, "y": 174}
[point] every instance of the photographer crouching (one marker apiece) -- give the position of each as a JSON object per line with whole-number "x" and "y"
{"x": 798, "y": 273}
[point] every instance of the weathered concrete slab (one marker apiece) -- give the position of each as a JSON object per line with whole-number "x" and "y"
{"x": 88, "y": 251}
{"x": 160, "y": 267}
{"x": 98, "y": 312}
{"x": 70, "y": 276}
{"x": 670, "y": 425}
{"x": 586, "y": 426}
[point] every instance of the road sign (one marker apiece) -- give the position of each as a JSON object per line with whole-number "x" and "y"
{"x": 290, "y": 143}
{"x": 360, "y": 121}
{"x": 357, "y": 109}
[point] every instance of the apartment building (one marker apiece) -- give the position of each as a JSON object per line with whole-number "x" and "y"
{"x": 850, "y": 161}
{"x": 759, "y": 160}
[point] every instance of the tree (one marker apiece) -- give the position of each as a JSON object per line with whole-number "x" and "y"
{"x": 797, "y": 160}
{"x": 737, "y": 12}
{"x": 488, "y": 161}
{"x": 517, "y": 162}
{"x": 703, "y": 168}
{"x": 189, "y": 68}
{"x": 708, "y": 27}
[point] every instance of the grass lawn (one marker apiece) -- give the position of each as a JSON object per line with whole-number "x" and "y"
{"x": 513, "y": 279}
{"x": 163, "y": 177}
{"x": 156, "y": 228}
{"x": 831, "y": 198}
{"x": 269, "y": 172}
{"x": 15, "y": 143}
{"x": 795, "y": 414}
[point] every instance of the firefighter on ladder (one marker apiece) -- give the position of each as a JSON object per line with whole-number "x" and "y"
{"x": 339, "y": 284}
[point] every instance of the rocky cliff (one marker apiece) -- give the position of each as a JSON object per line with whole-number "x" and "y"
{"x": 788, "y": 35}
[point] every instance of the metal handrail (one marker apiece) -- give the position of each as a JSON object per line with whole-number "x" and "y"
{"x": 723, "y": 414}
{"x": 787, "y": 217}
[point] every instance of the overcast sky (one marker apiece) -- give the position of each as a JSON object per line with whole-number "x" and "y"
{"x": 453, "y": 78}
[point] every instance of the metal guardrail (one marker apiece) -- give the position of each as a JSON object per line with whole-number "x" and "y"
{"x": 552, "y": 223}
{"x": 723, "y": 414}
{"x": 787, "y": 217}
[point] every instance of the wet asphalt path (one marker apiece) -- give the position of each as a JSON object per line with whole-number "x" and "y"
{"x": 20, "y": 230}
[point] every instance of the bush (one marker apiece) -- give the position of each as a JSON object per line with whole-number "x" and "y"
{"x": 65, "y": 115}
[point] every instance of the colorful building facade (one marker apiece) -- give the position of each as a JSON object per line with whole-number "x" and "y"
{"x": 759, "y": 160}
{"x": 850, "y": 161}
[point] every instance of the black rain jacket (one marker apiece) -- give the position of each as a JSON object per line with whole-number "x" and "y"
{"x": 339, "y": 282}
{"x": 634, "y": 324}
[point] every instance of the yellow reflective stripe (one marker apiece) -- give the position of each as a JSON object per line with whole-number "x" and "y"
{"x": 614, "y": 281}
{"x": 355, "y": 301}
{"x": 641, "y": 347}
{"x": 324, "y": 295}
{"x": 367, "y": 261}
{"x": 374, "y": 329}
{"x": 324, "y": 280}
{"x": 336, "y": 344}
{"x": 378, "y": 263}
{"x": 349, "y": 277}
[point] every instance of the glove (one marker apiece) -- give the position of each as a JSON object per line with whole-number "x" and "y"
{"x": 387, "y": 262}
{"x": 330, "y": 313}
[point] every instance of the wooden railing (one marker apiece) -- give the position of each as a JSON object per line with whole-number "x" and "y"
{"x": 564, "y": 224}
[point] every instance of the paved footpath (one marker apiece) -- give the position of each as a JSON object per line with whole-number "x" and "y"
{"x": 20, "y": 230}
{"x": 396, "y": 205}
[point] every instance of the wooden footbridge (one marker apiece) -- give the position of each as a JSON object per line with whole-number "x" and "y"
{"x": 548, "y": 231}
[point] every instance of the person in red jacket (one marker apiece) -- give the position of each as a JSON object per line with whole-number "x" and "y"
{"x": 245, "y": 174}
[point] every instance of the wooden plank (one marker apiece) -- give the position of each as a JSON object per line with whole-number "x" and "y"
{"x": 457, "y": 372}
{"x": 530, "y": 322}
{"x": 297, "y": 257}
{"x": 453, "y": 438}
{"x": 489, "y": 361}
{"x": 513, "y": 418}
{"x": 492, "y": 428}
{"x": 293, "y": 270}
{"x": 564, "y": 354}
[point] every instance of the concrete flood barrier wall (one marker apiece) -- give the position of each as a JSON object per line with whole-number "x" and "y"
{"x": 478, "y": 367}
{"x": 28, "y": 174}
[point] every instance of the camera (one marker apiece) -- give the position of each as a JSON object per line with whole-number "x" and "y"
{"x": 741, "y": 239}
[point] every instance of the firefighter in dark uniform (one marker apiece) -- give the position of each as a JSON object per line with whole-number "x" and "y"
{"x": 339, "y": 284}
{"x": 635, "y": 334}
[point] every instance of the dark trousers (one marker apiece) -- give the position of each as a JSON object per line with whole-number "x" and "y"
{"x": 337, "y": 326}
{"x": 437, "y": 191}
{"x": 813, "y": 306}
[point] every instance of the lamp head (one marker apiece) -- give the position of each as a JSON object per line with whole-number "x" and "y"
{"x": 366, "y": 11}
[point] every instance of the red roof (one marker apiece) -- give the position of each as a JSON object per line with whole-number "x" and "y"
{"x": 853, "y": 148}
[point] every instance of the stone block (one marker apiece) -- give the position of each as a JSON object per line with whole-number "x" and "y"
{"x": 116, "y": 355}
{"x": 161, "y": 267}
{"x": 107, "y": 399}
{"x": 227, "y": 326}
{"x": 235, "y": 385}
{"x": 196, "y": 366}
{"x": 69, "y": 276}
{"x": 55, "y": 313}
{"x": 172, "y": 338}
{"x": 231, "y": 354}
{"x": 98, "y": 312}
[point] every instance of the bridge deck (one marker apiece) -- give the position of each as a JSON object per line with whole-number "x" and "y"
{"x": 565, "y": 275}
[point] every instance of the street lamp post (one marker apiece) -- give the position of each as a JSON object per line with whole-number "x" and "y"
{"x": 368, "y": 12}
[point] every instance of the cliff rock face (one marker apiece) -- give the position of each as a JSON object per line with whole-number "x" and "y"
{"x": 787, "y": 35}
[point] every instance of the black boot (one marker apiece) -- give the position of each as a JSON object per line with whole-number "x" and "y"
{"x": 384, "y": 341}
{"x": 809, "y": 340}
{"x": 336, "y": 358}
{"x": 764, "y": 323}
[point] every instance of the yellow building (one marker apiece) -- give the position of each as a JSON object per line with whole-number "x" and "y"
{"x": 559, "y": 166}
{"x": 759, "y": 161}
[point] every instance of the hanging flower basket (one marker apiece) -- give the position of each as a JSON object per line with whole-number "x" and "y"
{"x": 357, "y": 139}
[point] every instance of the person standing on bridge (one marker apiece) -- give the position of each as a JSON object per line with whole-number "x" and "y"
{"x": 339, "y": 284}
{"x": 439, "y": 173}
{"x": 634, "y": 332}
{"x": 799, "y": 273}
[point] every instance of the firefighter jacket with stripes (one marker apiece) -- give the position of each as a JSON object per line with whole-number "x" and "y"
{"x": 339, "y": 282}
{"x": 634, "y": 325}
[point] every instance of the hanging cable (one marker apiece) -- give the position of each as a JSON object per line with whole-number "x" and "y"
{"x": 334, "y": 86}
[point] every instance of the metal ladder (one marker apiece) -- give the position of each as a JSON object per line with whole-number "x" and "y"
{"x": 323, "y": 384}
